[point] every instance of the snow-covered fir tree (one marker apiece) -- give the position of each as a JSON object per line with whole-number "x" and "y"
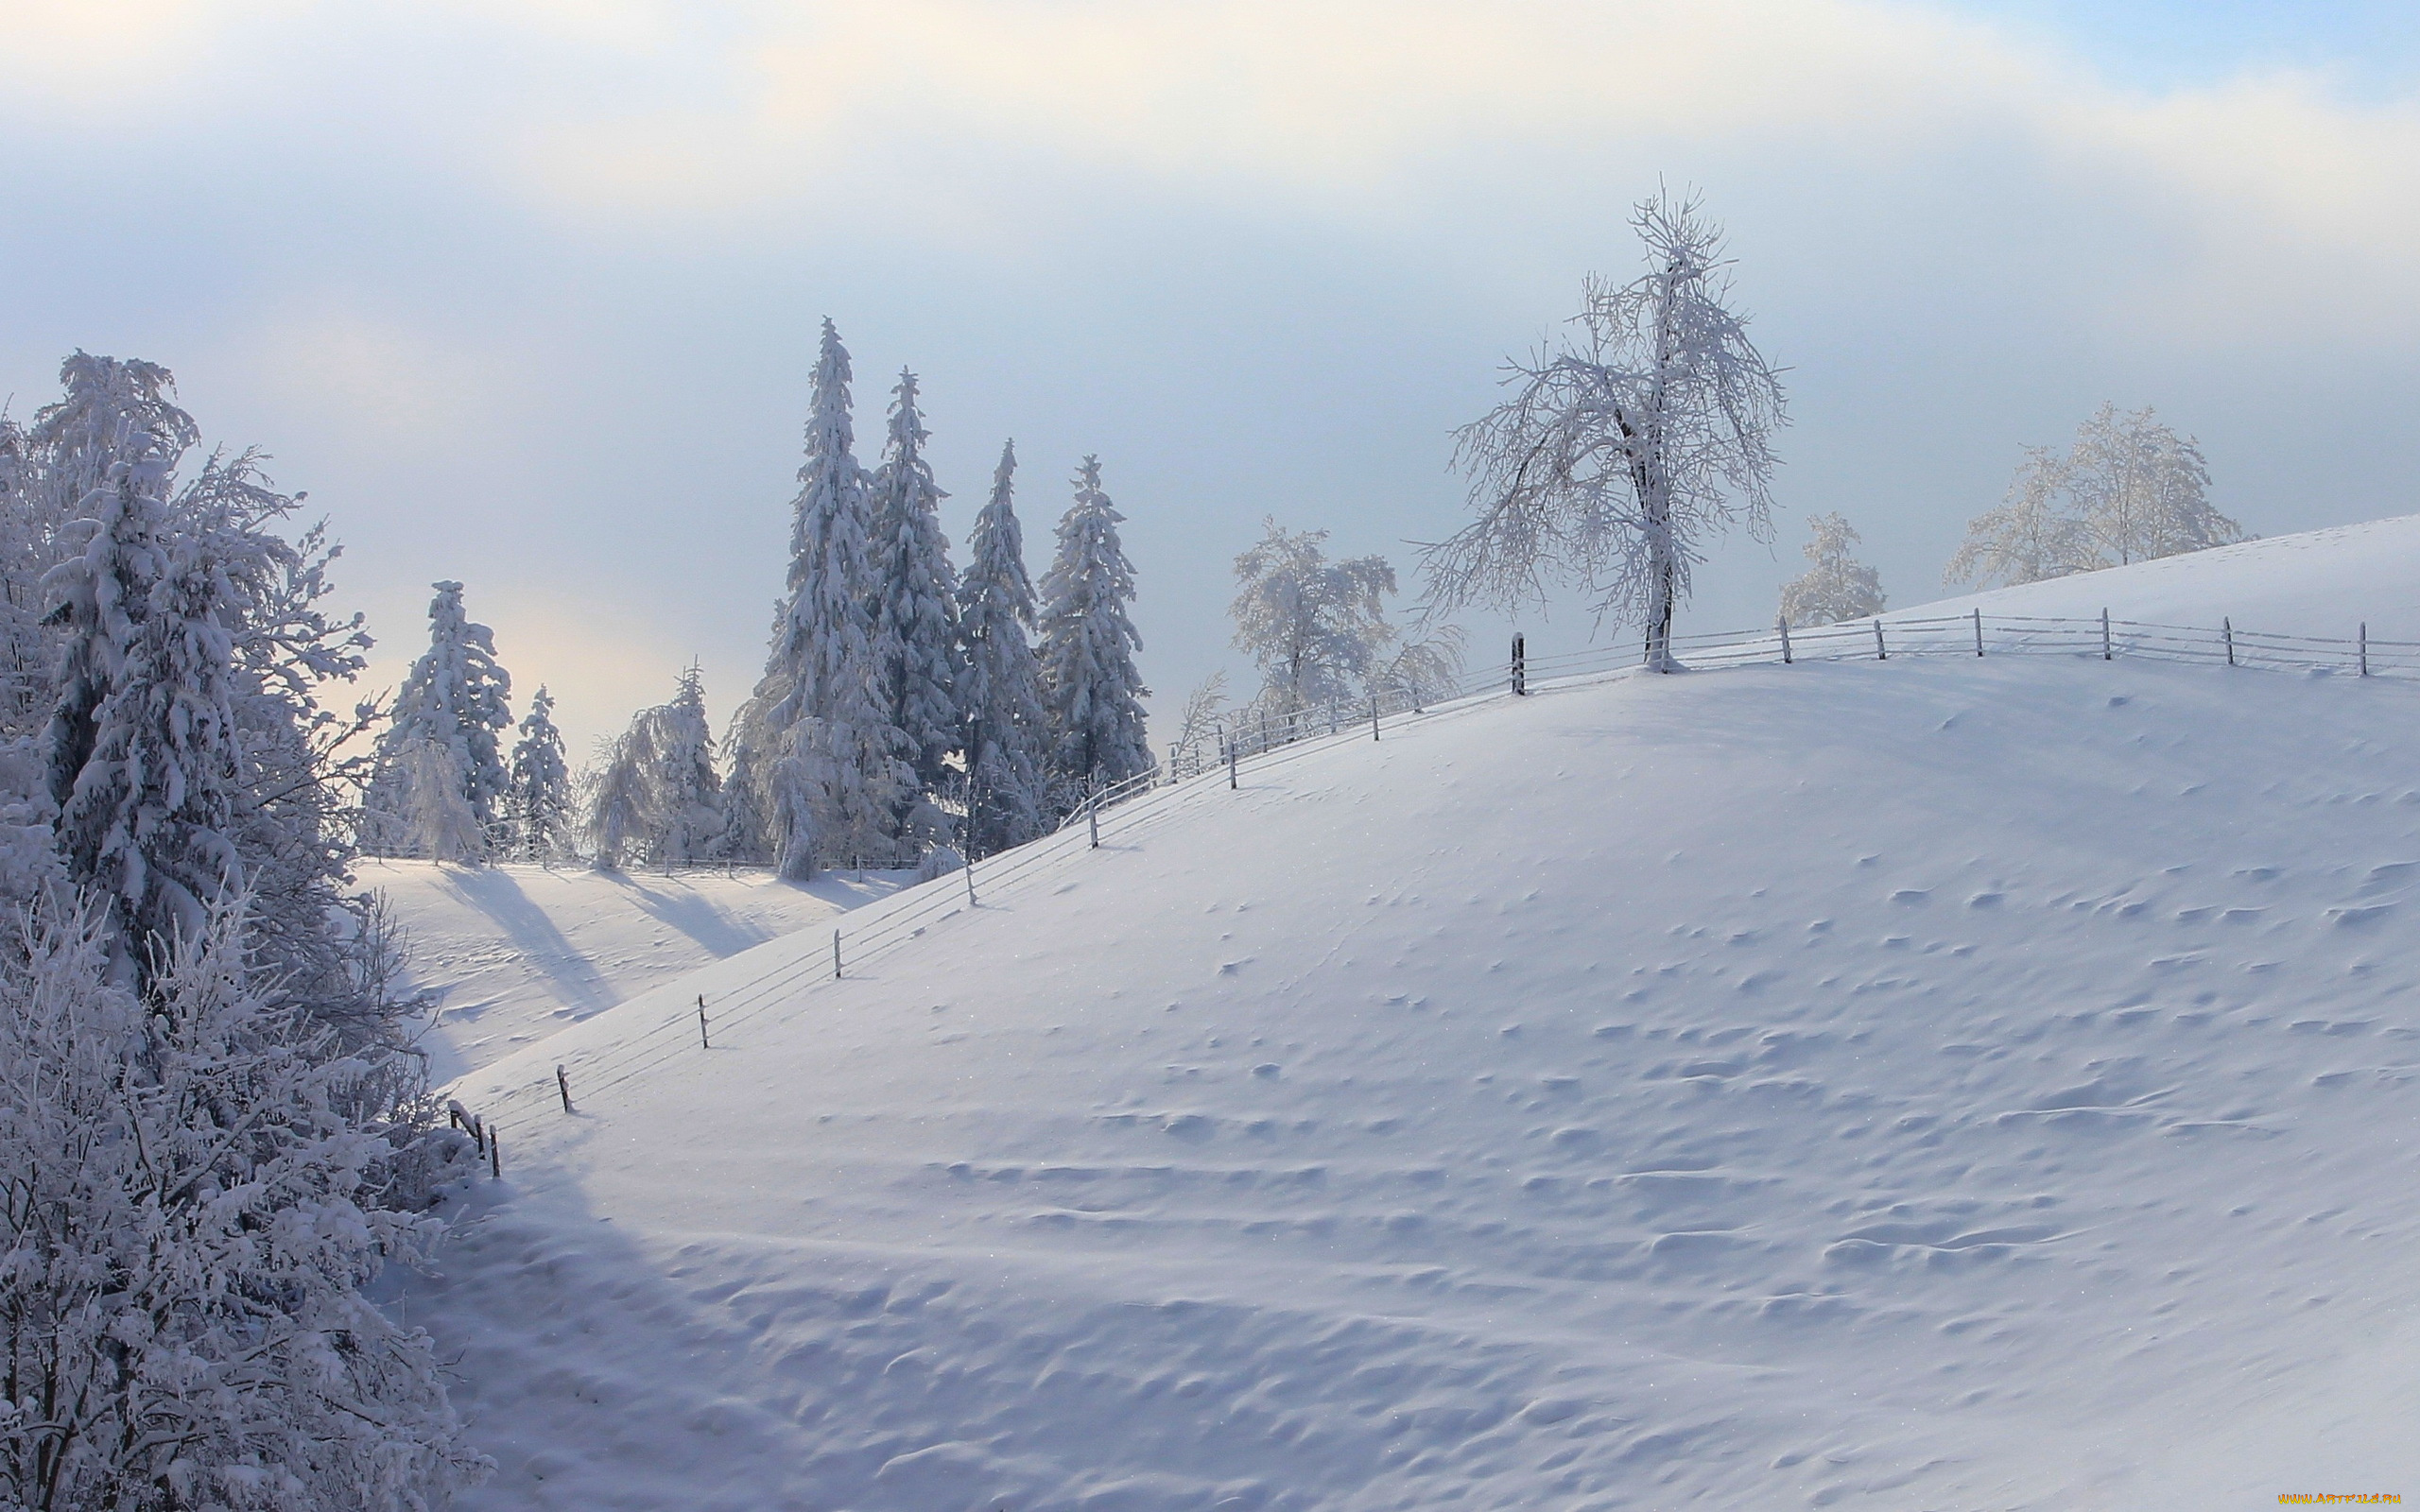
{"x": 1836, "y": 587}
{"x": 658, "y": 801}
{"x": 143, "y": 745}
{"x": 451, "y": 711}
{"x": 824, "y": 773}
{"x": 1620, "y": 454}
{"x": 1091, "y": 693}
{"x": 915, "y": 618}
{"x": 537, "y": 807}
{"x": 999, "y": 680}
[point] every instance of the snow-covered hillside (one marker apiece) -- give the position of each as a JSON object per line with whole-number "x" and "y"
{"x": 1922, "y": 1084}
{"x": 2317, "y": 582}
{"x": 515, "y": 953}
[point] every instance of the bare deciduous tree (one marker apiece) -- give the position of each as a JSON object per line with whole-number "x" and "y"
{"x": 1619, "y": 454}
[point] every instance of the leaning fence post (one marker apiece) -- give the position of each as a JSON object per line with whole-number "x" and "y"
{"x": 2105, "y": 653}
{"x": 1979, "y": 632}
{"x": 835, "y": 956}
{"x": 1783, "y": 625}
{"x": 2365, "y": 649}
{"x": 1881, "y": 653}
{"x": 703, "y": 1042}
{"x": 563, "y": 1085}
{"x": 2226, "y": 628}
{"x": 1520, "y": 665}
{"x": 1374, "y": 716}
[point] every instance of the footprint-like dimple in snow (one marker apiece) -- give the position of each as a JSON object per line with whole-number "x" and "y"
{"x": 1913, "y": 894}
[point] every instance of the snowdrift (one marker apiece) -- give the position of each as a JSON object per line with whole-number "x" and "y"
{"x": 1921, "y": 1084}
{"x": 515, "y": 953}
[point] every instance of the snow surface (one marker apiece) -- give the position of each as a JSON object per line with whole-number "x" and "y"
{"x": 2318, "y": 582}
{"x": 1923, "y": 1084}
{"x": 515, "y": 953}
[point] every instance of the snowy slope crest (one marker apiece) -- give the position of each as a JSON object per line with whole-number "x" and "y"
{"x": 1918, "y": 1084}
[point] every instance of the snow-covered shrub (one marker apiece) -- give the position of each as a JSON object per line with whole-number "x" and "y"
{"x": 188, "y": 1212}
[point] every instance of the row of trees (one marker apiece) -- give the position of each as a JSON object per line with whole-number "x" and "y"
{"x": 213, "y": 1133}
{"x": 901, "y": 704}
{"x": 904, "y": 706}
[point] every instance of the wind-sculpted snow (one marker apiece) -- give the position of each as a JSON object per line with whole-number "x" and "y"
{"x": 1901, "y": 1085}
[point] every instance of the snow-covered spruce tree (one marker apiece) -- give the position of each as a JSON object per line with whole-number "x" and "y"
{"x": 143, "y": 745}
{"x": 1317, "y": 629}
{"x": 1836, "y": 587}
{"x": 320, "y": 942}
{"x": 999, "y": 680}
{"x": 824, "y": 772}
{"x": 658, "y": 801}
{"x": 1091, "y": 693}
{"x": 188, "y": 1216}
{"x": 915, "y": 618}
{"x": 454, "y": 701}
{"x": 1619, "y": 454}
{"x": 538, "y": 805}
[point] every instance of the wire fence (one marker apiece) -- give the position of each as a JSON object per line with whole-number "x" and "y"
{"x": 1268, "y": 738}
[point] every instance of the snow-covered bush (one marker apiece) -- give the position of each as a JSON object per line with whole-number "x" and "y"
{"x": 1617, "y": 455}
{"x": 1836, "y": 587}
{"x": 188, "y": 1211}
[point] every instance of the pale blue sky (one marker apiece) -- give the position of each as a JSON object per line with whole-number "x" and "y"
{"x": 525, "y": 291}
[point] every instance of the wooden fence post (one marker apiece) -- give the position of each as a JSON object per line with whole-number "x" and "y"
{"x": 495, "y": 1156}
{"x": 1979, "y": 632}
{"x": 703, "y": 1042}
{"x": 2365, "y": 649}
{"x": 1783, "y": 625}
{"x": 2226, "y": 628}
{"x": 2105, "y": 653}
{"x": 969, "y": 869}
{"x": 1881, "y": 652}
{"x": 1520, "y": 665}
{"x": 835, "y": 956}
{"x": 1231, "y": 767}
{"x": 1092, "y": 814}
{"x": 563, "y": 1085}
{"x": 1374, "y": 716}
